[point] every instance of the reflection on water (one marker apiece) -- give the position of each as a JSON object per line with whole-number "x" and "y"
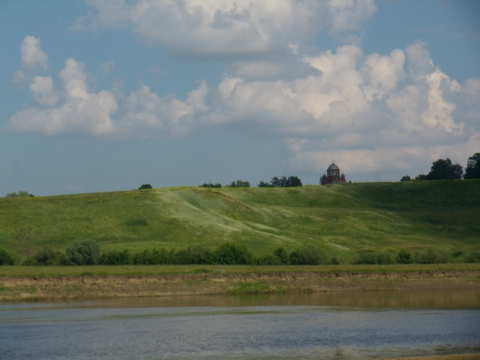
{"x": 328, "y": 325}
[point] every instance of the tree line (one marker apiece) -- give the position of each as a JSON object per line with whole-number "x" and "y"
{"x": 443, "y": 169}
{"x": 291, "y": 181}
{"x": 87, "y": 252}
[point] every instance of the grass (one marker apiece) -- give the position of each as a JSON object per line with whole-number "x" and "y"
{"x": 146, "y": 270}
{"x": 338, "y": 218}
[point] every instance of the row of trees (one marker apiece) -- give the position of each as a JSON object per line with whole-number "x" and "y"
{"x": 443, "y": 169}
{"x": 291, "y": 181}
{"x": 87, "y": 252}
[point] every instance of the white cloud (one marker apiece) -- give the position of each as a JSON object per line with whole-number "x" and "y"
{"x": 347, "y": 18}
{"x": 368, "y": 112}
{"x": 230, "y": 28}
{"x": 107, "y": 66}
{"x": 32, "y": 56}
{"x": 147, "y": 111}
{"x": 79, "y": 112}
{"x": 43, "y": 92}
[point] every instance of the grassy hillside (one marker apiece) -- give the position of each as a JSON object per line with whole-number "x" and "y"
{"x": 339, "y": 218}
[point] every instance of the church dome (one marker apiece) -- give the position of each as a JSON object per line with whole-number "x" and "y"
{"x": 333, "y": 167}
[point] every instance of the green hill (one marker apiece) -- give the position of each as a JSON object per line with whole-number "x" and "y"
{"x": 339, "y": 218}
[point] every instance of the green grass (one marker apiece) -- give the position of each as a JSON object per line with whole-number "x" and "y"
{"x": 338, "y": 218}
{"x": 146, "y": 270}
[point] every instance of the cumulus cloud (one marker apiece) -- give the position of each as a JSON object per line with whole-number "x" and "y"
{"x": 74, "y": 109}
{"x": 79, "y": 110}
{"x": 32, "y": 56}
{"x": 229, "y": 28}
{"x": 366, "y": 111}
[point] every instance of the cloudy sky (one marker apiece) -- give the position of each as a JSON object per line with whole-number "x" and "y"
{"x": 108, "y": 95}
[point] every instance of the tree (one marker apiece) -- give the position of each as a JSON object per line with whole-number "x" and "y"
{"x": 421, "y": 177}
{"x": 5, "y": 258}
{"x": 84, "y": 252}
{"x": 21, "y": 193}
{"x": 241, "y": 183}
{"x": 263, "y": 184}
{"x": 292, "y": 181}
{"x": 473, "y": 167}
{"x": 406, "y": 178}
{"x": 443, "y": 169}
{"x": 145, "y": 186}
{"x": 210, "y": 185}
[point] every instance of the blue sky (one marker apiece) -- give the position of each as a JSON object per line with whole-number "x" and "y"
{"x": 108, "y": 95}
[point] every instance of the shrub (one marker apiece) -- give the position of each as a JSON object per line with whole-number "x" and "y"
{"x": 309, "y": 255}
{"x": 431, "y": 256}
{"x": 6, "y": 259}
{"x": 473, "y": 257}
{"x": 232, "y": 254}
{"x": 282, "y": 255}
{"x": 374, "y": 257}
{"x": 116, "y": 258}
{"x": 84, "y": 252}
{"x": 196, "y": 255}
{"x": 154, "y": 257}
{"x": 404, "y": 257}
{"x": 46, "y": 257}
{"x": 269, "y": 260}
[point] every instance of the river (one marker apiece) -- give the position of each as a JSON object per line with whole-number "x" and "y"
{"x": 302, "y": 326}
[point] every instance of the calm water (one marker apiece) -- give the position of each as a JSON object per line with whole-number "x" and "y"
{"x": 327, "y": 326}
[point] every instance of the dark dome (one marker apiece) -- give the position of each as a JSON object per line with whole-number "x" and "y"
{"x": 333, "y": 167}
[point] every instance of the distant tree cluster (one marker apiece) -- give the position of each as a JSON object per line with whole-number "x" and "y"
{"x": 145, "y": 187}
{"x": 210, "y": 185}
{"x": 239, "y": 184}
{"x": 473, "y": 167}
{"x": 443, "y": 169}
{"x": 21, "y": 193}
{"x": 291, "y": 181}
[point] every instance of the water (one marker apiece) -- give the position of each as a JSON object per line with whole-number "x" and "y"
{"x": 327, "y": 326}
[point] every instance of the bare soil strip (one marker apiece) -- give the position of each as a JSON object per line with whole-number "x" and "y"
{"x": 31, "y": 288}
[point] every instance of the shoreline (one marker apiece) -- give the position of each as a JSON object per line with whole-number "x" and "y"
{"x": 196, "y": 282}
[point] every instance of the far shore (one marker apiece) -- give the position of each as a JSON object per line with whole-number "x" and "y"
{"x": 67, "y": 283}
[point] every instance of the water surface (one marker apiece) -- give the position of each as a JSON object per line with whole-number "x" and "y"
{"x": 328, "y": 326}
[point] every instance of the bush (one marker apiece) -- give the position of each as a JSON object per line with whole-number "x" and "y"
{"x": 269, "y": 260}
{"x": 145, "y": 187}
{"x": 6, "y": 259}
{"x": 374, "y": 257}
{"x": 196, "y": 255}
{"x": 46, "y": 257}
{"x": 431, "y": 256}
{"x": 309, "y": 255}
{"x": 116, "y": 258}
{"x": 154, "y": 257}
{"x": 404, "y": 257}
{"x": 473, "y": 257}
{"x": 282, "y": 255}
{"x": 84, "y": 252}
{"x": 232, "y": 254}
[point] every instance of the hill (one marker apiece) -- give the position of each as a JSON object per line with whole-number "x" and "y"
{"x": 339, "y": 218}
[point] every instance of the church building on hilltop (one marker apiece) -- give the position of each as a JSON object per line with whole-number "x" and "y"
{"x": 333, "y": 176}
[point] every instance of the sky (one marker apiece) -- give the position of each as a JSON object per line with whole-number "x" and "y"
{"x": 108, "y": 95}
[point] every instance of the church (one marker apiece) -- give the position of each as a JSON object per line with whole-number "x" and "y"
{"x": 333, "y": 176}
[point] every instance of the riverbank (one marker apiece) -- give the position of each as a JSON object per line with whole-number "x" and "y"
{"x": 65, "y": 283}
{"x": 444, "y": 357}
